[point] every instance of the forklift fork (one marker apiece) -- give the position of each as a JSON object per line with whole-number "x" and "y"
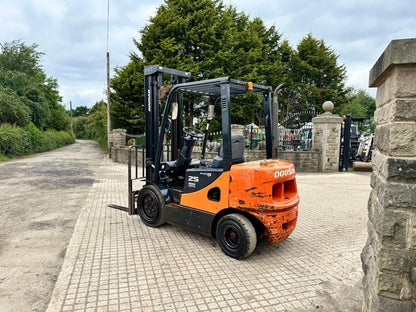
{"x": 132, "y": 193}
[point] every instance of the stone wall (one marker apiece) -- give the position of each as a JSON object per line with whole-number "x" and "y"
{"x": 117, "y": 139}
{"x": 303, "y": 161}
{"x": 324, "y": 157}
{"x": 237, "y": 129}
{"x": 389, "y": 257}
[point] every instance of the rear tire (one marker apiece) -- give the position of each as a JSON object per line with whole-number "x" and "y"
{"x": 236, "y": 235}
{"x": 151, "y": 206}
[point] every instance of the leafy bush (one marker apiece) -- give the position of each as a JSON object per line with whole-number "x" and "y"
{"x": 54, "y": 139}
{"x": 80, "y": 127}
{"x": 11, "y": 140}
{"x": 35, "y": 137}
{"x": 131, "y": 142}
{"x": 93, "y": 126}
{"x": 27, "y": 94}
{"x": 12, "y": 109}
{"x": 15, "y": 141}
{"x": 141, "y": 140}
{"x": 97, "y": 124}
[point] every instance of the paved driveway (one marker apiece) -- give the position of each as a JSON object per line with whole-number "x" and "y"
{"x": 41, "y": 197}
{"x": 115, "y": 263}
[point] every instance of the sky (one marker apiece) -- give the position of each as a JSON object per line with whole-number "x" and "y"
{"x": 73, "y": 34}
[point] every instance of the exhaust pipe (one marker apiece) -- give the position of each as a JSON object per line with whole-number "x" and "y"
{"x": 275, "y": 121}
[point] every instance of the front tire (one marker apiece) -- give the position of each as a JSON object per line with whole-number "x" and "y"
{"x": 151, "y": 206}
{"x": 236, "y": 235}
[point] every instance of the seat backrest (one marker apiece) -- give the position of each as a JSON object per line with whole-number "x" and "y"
{"x": 237, "y": 150}
{"x": 185, "y": 155}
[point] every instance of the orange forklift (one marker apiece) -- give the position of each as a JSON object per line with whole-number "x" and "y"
{"x": 234, "y": 201}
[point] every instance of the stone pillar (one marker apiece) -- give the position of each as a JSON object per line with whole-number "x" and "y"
{"x": 119, "y": 137}
{"x": 326, "y": 138}
{"x": 237, "y": 129}
{"x": 389, "y": 256}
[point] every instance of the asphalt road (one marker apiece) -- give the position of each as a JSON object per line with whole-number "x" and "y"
{"x": 41, "y": 198}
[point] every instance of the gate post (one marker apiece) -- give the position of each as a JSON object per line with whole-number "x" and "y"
{"x": 389, "y": 257}
{"x": 345, "y": 144}
{"x": 117, "y": 140}
{"x": 119, "y": 137}
{"x": 326, "y": 138}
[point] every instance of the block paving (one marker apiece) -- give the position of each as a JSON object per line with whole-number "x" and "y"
{"x": 115, "y": 263}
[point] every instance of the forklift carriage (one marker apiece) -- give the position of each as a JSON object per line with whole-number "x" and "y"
{"x": 230, "y": 199}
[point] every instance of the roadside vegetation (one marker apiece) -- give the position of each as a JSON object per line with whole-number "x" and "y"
{"x": 91, "y": 124}
{"x": 32, "y": 118}
{"x": 19, "y": 141}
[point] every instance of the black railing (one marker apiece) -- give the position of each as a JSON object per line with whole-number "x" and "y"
{"x": 289, "y": 139}
{"x": 295, "y": 139}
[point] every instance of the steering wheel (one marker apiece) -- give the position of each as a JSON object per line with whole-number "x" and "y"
{"x": 194, "y": 133}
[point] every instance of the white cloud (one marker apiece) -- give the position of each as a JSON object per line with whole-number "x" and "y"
{"x": 73, "y": 33}
{"x": 358, "y": 31}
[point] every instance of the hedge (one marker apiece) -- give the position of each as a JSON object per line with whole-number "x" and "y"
{"x": 17, "y": 141}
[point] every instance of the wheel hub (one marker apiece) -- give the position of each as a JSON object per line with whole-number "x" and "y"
{"x": 150, "y": 207}
{"x": 232, "y": 237}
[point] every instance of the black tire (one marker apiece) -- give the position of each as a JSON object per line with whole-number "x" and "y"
{"x": 151, "y": 206}
{"x": 236, "y": 235}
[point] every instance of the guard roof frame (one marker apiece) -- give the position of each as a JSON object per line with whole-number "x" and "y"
{"x": 217, "y": 88}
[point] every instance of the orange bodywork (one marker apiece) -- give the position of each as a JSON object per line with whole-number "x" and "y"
{"x": 200, "y": 199}
{"x": 267, "y": 190}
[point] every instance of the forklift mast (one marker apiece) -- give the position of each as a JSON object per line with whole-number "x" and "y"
{"x": 153, "y": 81}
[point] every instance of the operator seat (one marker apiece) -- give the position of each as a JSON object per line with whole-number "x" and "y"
{"x": 185, "y": 155}
{"x": 179, "y": 166}
{"x": 237, "y": 150}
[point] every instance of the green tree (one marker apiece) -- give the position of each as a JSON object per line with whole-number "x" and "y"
{"x": 16, "y": 56}
{"x": 59, "y": 119}
{"x": 211, "y": 40}
{"x": 313, "y": 77}
{"x": 80, "y": 111}
{"x": 96, "y": 127}
{"x": 79, "y": 126}
{"x": 12, "y": 109}
{"x": 21, "y": 72}
{"x": 359, "y": 104}
{"x": 40, "y": 112}
{"x": 127, "y": 110}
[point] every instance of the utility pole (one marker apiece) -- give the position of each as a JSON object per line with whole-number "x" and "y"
{"x": 108, "y": 83}
{"x": 70, "y": 110}
{"x": 108, "y": 103}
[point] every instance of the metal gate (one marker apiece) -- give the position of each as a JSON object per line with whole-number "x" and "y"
{"x": 344, "y": 149}
{"x": 352, "y": 145}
